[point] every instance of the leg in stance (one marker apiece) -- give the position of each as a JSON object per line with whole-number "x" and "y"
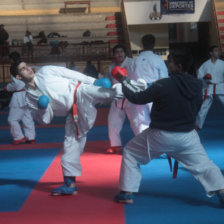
{"x": 136, "y": 153}
{"x": 116, "y": 119}
{"x": 28, "y": 126}
{"x": 15, "y": 116}
{"x": 70, "y": 161}
{"x": 191, "y": 154}
{"x": 200, "y": 119}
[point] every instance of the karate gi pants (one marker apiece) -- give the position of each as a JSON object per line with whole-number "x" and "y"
{"x": 205, "y": 108}
{"x": 75, "y": 133}
{"x": 185, "y": 147}
{"x": 138, "y": 116}
{"x": 17, "y": 114}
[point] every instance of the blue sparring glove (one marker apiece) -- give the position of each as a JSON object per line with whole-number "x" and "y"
{"x": 103, "y": 82}
{"x": 43, "y": 101}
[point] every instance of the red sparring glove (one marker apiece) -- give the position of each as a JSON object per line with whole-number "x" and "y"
{"x": 118, "y": 73}
{"x": 207, "y": 77}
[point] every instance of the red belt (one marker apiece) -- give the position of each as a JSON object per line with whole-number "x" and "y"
{"x": 214, "y": 89}
{"x": 175, "y": 168}
{"x": 214, "y": 92}
{"x": 74, "y": 110}
{"x": 122, "y": 104}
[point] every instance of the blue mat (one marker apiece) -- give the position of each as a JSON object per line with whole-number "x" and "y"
{"x": 20, "y": 171}
{"x": 4, "y": 119}
{"x": 46, "y": 135}
{"x": 173, "y": 201}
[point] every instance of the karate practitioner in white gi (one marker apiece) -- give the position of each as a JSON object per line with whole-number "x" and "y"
{"x": 121, "y": 107}
{"x": 212, "y": 74}
{"x": 18, "y": 110}
{"x": 176, "y": 101}
{"x": 70, "y": 94}
{"x": 149, "y": 67}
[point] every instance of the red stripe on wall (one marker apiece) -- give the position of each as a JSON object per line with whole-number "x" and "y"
{"x": 220, "y": 13}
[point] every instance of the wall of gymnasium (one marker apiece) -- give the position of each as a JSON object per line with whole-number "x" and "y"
{"x": 139, "y": 22}
{"x": 214, "y": 34}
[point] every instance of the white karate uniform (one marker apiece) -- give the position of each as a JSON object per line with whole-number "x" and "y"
{"x": 59, "y": 84}
{"x": 149, "y": 67}
{"x": 27, "y": 39}
{"x": 120, "y": 108}
{"x": 18, "y": 111}
{"x": 182, "y": 146}
{"x": 212, "y": 90}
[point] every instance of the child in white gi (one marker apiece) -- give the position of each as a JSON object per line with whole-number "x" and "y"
{"x": 176, "y": 102}
{"x": 212, "y": 74}
{"x": 18, "y": 110}
{"x": 70, "y": 94}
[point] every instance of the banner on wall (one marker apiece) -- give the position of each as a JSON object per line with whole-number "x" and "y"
{"x": 155, "y": 10}
{"x": 165, "y": 7}
{"x": 177, "y": 6}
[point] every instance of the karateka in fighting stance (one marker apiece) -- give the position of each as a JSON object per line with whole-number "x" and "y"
{"x": 176, "y": 102}
{"x": 121, "y": 107}
{"x": 70, "y": 94}
{"x": 148, "y": 67}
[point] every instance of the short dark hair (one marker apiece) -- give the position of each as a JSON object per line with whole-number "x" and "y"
{"x": 14, "y": 68}
{"x": 15, "y": 56}
{"x": 212, "y": 48}
{"x": 119, "y": 46}
{"x": 182, "y": 57}
{"x": 148, "y": 42}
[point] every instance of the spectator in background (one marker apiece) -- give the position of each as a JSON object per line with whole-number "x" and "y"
{"x": 28, "y": 44}
{"x": 42, "y": 37}
{"x": 3, "y": 41}
{"x": 90, "y": 70}
{"x": 72, "y": 66}
{"x": 3, "y": 35}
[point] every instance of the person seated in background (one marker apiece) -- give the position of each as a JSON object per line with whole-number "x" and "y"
{"x": 42, "y": 37}
{"x": 90, "y": 70}
{"x": 72, "y": 66}
{"x": 28, "y": 44}
{"x": 4, "y": 36}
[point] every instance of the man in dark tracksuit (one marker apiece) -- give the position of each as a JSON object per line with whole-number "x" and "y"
{"x": 176, "y": 102}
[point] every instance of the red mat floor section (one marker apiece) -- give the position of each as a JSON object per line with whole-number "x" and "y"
{"x": 92, "y": 205}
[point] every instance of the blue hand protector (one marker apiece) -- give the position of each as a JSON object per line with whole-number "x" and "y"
{"x": 103, "y": 82}
{"x": 43, "y": 101}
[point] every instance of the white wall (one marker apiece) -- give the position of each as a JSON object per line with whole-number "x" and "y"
{"x": 159, "y": 31}
{"x": 138, "y": 13}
